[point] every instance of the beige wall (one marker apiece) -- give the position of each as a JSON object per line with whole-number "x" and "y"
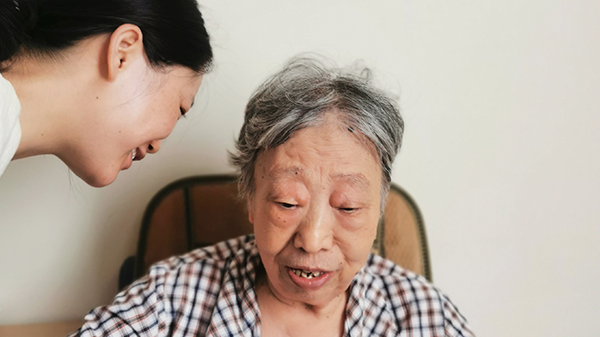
{"x": 502, "y": 152}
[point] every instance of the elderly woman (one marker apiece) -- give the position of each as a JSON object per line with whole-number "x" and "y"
{"x": 315, "y": 155}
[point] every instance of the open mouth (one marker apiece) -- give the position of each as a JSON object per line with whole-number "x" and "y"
{"x": 310, "y": 279}
{"x": 306, "y": 274}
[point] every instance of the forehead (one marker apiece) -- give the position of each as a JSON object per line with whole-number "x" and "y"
{"x": 282, "y": 172}
{"x": 326, "y": 151}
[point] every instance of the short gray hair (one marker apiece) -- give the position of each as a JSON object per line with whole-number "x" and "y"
{"x": 298, "y": 97}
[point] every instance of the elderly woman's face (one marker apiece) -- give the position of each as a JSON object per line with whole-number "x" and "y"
{"x": 315, "y": 210}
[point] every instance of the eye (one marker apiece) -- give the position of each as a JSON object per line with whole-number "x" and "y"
{"x": 348, "y": 209}
{"x": 286, "y": 205}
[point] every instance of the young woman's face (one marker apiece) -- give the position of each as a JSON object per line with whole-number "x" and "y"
{"x": 127, "y": 119}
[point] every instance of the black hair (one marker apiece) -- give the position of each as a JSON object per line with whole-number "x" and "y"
{"x": 174, "y": 32}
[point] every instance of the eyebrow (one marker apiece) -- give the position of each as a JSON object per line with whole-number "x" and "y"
{"x": 356, "y": 180}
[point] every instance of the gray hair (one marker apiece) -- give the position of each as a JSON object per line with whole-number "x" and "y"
{"x": 299, "y": 96}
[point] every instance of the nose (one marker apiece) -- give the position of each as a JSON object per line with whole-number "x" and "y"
{"x": 154, "y": 146}
{"x": 315, "y": 232}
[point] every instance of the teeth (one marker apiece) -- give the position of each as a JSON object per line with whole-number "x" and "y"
{"x": 133, "y": 154}
{"x": 306, "y": 274}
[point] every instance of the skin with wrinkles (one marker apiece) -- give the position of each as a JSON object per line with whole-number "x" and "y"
{"x": 316, "y": 205}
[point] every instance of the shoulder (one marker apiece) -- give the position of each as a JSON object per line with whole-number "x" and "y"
{"x": 10, "y": 129}
{"x": 10, "y": 107}
{"x": 6, "y": 89}
{"x": 173, "y": 291}
{"x": 9, "y": 101}
{"x": 196, "y": 277}
{"x": 212, "y": 257}
{"x": 399, "y": 284}
{"x": 411, "y": 299}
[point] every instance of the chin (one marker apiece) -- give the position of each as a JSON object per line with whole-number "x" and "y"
{"x": 99, "y": 179}
{"x": 92, "y": 172}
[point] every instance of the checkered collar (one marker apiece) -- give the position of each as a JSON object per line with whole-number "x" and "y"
{"x": 237, "y": 313}
{"x": 367, "y": 309}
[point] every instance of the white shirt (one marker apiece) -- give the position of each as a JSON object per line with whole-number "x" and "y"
{"x": 10, "y": 128}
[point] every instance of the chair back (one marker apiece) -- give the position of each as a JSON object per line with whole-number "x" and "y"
{"x": 203, "y": 210}
{"x": 401, "y": 235}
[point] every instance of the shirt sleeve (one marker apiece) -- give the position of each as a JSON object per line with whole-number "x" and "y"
{"x": 141, "y": 310}
{"x": 455, "y": 325}
{"x": 10, "y": 128}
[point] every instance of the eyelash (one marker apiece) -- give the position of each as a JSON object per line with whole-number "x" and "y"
{"x": 348, "y": 209}
{"x": 286, "y": 205}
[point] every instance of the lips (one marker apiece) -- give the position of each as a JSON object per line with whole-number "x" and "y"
{"x": 309, "y": 279}
{"x": 138, "y": 153}
{"x": 306, "y": 273}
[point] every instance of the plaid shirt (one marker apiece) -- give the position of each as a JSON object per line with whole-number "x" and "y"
{"x": 210, "y": 292}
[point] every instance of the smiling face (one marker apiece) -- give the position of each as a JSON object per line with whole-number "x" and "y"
{"x": 128, "y": 118}
{"x": 315, "y": 209}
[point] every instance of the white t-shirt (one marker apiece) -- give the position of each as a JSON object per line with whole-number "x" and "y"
{"x": 10, "y": 128}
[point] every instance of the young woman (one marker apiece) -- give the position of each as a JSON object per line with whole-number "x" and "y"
{"x": 98, "y": 83}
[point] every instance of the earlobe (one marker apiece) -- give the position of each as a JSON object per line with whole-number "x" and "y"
{"x": 125, "y": 45}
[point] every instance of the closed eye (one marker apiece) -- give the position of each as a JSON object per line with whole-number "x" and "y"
{"x": 286, "y": 205}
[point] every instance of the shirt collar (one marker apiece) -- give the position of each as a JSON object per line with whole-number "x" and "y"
{"x": 367, "y": 307}
{"x": 237, "y": 309}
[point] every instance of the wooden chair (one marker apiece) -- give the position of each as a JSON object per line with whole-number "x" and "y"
{"x": 54, "y": 329}
{"x": 202, "y": 210}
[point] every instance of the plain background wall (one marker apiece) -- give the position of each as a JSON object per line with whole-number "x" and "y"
{"x": 501, "y": 151}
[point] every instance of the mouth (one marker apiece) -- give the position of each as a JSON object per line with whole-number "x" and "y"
{"x": 306, "y": 273}
{"x": 136, "y": 155}
{"x": 140, "y": 153}
{"x": 309, "y": 279}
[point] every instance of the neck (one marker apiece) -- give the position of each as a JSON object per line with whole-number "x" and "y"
{"x": 38, "y": 89}
{"x": 284, "y": 318}
{"x": 51, "y": 93}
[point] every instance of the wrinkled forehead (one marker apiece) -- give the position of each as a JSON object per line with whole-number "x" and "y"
{"x": 326, "y": 123}
{"x": 358, "y": 181}
{"x": 331, "y": 150}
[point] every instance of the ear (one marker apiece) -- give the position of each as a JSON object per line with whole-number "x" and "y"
{"x": 250, "y": 209}
{"x": 125, "y": 45}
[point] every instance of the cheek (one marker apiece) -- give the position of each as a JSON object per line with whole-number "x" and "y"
{"x": 154, "y": 113}
{"x": 355, "y": 258}
{"x": 273, "y": 229}
{"x": 271, "y": 237}
{"x": 161, "y": 116}
{"x": 355, "y": 241}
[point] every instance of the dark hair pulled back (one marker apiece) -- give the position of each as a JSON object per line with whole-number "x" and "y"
{"x": 174, "y": 32}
